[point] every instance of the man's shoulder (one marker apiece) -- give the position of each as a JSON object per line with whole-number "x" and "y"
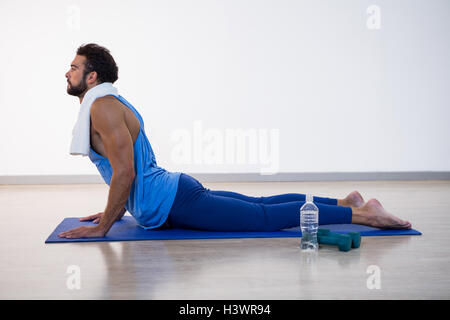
{"x": 105, "y": 102}
{"x": 106, "y": 111}
{"x": 106, "y": 105}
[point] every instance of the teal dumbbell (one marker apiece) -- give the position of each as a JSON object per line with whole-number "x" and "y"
{"x": 356, "y": 237}
{"x": 343, "y": 243}
{"x": 323, "y": 232}
{"x": 340, "y": 239}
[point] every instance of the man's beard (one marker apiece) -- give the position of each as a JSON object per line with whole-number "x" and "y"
{"x": 77, "y": 90}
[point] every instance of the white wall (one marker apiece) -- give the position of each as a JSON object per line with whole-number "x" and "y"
{"x": 341, "y": 96}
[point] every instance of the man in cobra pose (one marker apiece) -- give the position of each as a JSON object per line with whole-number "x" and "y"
{"x": 157, "y": 198}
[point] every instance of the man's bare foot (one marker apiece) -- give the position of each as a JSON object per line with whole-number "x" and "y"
{"x": 354, "y": 200}
{"x": 373, "y": 214}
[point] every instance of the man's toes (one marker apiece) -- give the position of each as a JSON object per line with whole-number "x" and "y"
{"x": 402, "y": 225}
{"x": 407, "y": 225}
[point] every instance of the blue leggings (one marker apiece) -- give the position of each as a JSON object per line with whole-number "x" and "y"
{"x": 196, "y": 207}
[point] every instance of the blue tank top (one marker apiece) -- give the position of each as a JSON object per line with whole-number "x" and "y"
{"x": 154, "y": 188}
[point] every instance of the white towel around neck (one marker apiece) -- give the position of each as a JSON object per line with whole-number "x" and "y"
{"x": 81, "y": 131}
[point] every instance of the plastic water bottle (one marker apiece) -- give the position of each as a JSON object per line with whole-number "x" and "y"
{"x": 309, "y": 223}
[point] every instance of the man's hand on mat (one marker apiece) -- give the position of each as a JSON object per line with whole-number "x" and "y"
{"x": 95, "y": 218}
{"x": 83, "y": 232}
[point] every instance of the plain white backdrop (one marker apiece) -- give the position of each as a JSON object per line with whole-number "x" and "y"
{"x": 343, "y": 96}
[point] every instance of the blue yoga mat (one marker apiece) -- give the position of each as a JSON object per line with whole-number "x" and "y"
{"x": 127, "y": 230}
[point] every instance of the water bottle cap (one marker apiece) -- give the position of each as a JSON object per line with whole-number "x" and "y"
{"x": 309, "y": 198}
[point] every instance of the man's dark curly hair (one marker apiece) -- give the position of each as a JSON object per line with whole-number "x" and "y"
{"x": 100, "y": 60}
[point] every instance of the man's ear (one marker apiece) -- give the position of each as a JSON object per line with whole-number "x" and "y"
{"x": 92, "y": 77}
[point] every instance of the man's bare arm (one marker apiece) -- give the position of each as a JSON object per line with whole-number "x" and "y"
{"x": 109, "y": 121}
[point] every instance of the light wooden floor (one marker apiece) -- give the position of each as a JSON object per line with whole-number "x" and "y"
{"x": 411, "y": 267}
